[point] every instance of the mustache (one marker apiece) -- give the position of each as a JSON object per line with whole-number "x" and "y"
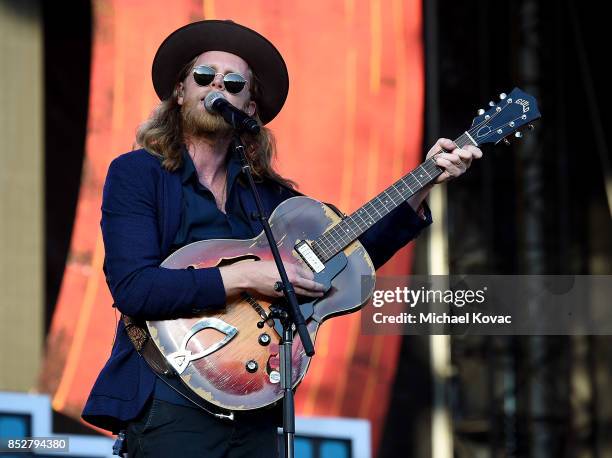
{"x": 198, "y": 121}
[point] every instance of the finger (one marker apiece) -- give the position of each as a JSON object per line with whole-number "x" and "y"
{"x": 464, "y": 154}
{"x": 444, "y": 177}
{"x": 295, "y": 278}
{"x": 306, "y": 273}
{"x": 307, "y": 292}
{"x": 448, "y": 166}
{"x": 315, "y": 286}
{"x": 442, "y": 144}
{"x": 309, "y": 285}
{"x": 476, "y": 152}
{"x": 453, "y": 158}
{"x": 298, "y": 270}
{"x": 446, "y": 144}
{"x": 469, "y": 153}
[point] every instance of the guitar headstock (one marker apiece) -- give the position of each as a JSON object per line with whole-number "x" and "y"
{"x": 510, "y": 114}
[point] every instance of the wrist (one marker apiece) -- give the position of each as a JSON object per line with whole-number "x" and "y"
{"x": 235, "y": 278}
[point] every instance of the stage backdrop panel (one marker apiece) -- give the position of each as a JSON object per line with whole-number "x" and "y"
{"x": 351, "y": 126}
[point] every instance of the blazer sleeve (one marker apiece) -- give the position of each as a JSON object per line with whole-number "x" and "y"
{"x": 393, "y": 231}
{"x": 140, "y": 288}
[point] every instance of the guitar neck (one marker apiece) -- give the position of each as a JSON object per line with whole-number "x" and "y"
{"x": 350, "y": 228}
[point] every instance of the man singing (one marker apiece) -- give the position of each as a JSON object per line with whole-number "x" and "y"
{"x": 184, "y": 186}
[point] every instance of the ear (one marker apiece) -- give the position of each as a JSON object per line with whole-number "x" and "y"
{"x": 180, "y": 93}
{"x": 251, "y": 108}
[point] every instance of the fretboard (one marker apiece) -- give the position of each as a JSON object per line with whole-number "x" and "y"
{"x": 350, "y": 228}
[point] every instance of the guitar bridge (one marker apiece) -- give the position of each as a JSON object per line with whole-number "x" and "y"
{"x": 309, "y": 257}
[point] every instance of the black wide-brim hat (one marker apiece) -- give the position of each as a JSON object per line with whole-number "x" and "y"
{"x": 190, "y": 41}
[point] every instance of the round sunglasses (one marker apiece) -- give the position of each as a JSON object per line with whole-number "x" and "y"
{"x": 233, "y": 82}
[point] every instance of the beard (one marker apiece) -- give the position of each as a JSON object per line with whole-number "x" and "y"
{"x": 198, "y": 121}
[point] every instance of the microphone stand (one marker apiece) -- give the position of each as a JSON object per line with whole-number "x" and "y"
{"x": 291, "y": 318}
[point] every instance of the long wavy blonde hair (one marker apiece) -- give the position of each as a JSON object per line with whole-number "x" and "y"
{"x": 162, "y": 135}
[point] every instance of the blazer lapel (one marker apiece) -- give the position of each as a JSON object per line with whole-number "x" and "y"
{"x": 170, "y": 209}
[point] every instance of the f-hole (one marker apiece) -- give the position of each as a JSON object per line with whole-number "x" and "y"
{"x": 229, "y": 261}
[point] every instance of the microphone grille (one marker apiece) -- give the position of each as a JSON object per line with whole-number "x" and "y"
{"x": 211, "y": 98}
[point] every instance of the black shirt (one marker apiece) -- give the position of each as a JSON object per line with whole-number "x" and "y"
{"x": 201, "y": 219}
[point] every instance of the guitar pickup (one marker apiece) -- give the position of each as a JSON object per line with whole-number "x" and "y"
{"x": 309, "y": 257}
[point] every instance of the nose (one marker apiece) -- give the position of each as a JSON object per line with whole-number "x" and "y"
{"x": 217, "y": 83}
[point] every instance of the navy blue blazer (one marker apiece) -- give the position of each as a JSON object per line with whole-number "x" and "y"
{"x": 141, "y": 212}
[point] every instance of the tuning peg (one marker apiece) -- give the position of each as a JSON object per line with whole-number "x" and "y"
{"x": 481, "y": 112}
{"x": 518, "y": 135}
{"x": 531, "y": 126}
{"x": 491, "y": 103}
{"x": 502, "y": 96}
{"x": 506, "y": 142}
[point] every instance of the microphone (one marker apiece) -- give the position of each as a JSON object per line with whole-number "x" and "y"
{"x": 215, "y": 102}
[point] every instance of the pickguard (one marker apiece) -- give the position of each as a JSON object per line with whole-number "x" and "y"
{"x": 333, "y": 267}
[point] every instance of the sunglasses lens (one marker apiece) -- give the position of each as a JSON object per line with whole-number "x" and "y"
{"x": 234, "y": 82}
{"x": 203, "y": 75}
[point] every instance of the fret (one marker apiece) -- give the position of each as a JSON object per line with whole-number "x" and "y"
{"x": 416, "y": 178}
{"x": 326, "y": 245}
{"x": 339, "y": 236}
{"x": 403, "y": 188}
{"x": 388, "y": 192}
{"x": 319, "y": 250}
{"x": 315, "y": 249}
{"x": 334, "y": 240}
{"x": 322, "y": 254}
{"x": 409, "y": 186}
{"x": 323, "y": 242}
{"x": 421, "y": 171}
{"x": 432, "y": 168}
{"x": 341, "y": 230}
{"x": 407, "y": 183}
{"x": 349, "y": 220}
{"x": 345, "y": 239}
{"x": 346, "y": 228}
{"x": 358, "y": 213}
{"x": 369, "y": 221}
{"x": 384, "y": 202}
{"x": 373, "y": 205}
{"x": 398, "y": 193}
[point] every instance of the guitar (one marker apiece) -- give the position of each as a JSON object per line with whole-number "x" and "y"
{"x": 230, "y": 358}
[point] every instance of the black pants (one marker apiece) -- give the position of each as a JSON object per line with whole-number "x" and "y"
{"x": 167, "y": 430}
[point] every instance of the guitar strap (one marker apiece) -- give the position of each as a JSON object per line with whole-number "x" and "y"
{"x": 145, "y": 347}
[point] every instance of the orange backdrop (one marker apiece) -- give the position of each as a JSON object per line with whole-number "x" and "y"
{"x": 352, "y": 124}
